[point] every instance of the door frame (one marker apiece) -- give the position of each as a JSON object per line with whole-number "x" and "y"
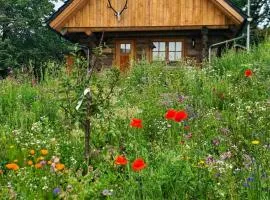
{"x": 118, "y": 42}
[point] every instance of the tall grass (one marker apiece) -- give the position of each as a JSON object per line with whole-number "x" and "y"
{"x": 220, "y": 152}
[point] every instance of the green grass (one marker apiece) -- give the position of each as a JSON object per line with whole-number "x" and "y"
{"x": 208, "y": 156}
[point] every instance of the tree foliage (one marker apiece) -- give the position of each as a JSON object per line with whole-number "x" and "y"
{"x": 24, "y": 35}
{"x": 260, "y": 11}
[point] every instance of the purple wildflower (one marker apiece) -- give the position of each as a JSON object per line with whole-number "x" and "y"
{"x": 56, "y": 191}
{"x": 250, "y": 179}
{"x": 43, "y": 162}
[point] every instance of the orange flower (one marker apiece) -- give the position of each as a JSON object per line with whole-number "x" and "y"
{"x": 136, "y": 123}
{"x": 170, "y": 114}
{"x": 1, "y": 172}
{"x": 30, "y": 162}
{"x": 248, "y": 73}
{"x": 138, "y": 165}
{"x": 180, "y": 116}
{"x": 32, "y": 152}
{"x": 120, "y": 160}
{"x": 12, "y": 166}
{"x": 59, "y": 166}
{"x": 44, "y": 152}
{"x": 38, "y": 166}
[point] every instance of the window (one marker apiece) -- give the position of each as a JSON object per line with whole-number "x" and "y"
{"x": 159, "y": 51}
{"x": 125, "y": 48}
{"x": 175, "y": 51}
{"x": 167, "y": 51}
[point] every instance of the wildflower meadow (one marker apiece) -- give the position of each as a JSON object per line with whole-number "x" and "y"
{"x": 164, "y": 132}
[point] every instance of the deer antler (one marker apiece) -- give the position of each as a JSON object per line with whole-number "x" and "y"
{"x": 110, "y": 6}
{"x": 124, "y": 8}
{"x": 117, "y": 14}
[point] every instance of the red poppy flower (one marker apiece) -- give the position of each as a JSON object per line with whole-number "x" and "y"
{"x": 180, "y": 116}
{"x": 248, "y": 73}
{"x": 138, "y": 165}
{"x": 120, "y": 160}
{"x": 170, "y": 114}
{"x": 136, "y": 123}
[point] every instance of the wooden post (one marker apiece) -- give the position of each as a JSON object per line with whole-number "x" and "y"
{"x": 204, "y": 33}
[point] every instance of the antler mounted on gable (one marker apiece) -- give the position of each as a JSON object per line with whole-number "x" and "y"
{"x": 116, "y": 13}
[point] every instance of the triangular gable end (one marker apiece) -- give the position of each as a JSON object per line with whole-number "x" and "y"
{"x": 231, "y": 11}
{"x": 65, "y": 12}
{"x": 76, "y": 13}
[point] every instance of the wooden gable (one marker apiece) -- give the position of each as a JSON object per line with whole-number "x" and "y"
{"x": 94, "y": 15}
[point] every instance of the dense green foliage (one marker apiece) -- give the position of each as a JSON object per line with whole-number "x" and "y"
{"x": 259, "y": 11}
{"x": 220, "y": 152}
{"x": 24, "y": 35}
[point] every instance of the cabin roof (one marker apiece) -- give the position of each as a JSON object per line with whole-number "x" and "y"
{"x": 59, "y": 10}
{"x": 222, "y": 3}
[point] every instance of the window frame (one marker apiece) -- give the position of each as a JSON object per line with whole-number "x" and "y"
{"x": 159, "y": 51}
{"x": 167, "y": 50}
{"x": 125, "y": 50}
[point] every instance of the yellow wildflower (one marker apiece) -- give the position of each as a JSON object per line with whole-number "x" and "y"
{"x": 201, "y": 162}
{"x": 44, "y": 152}
{"x": 32, "y": 152}
{"x": 40, "y": 158}
{"x": 255, "y": 142}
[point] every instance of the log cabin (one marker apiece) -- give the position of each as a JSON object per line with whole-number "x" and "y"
{"x": 154, "y": 30}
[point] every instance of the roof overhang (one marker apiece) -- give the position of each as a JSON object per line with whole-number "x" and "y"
{"x": 230, "y": 10}
{"x": 64, "y": 13}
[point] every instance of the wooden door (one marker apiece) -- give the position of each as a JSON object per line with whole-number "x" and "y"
{"x": 124, "y": 54}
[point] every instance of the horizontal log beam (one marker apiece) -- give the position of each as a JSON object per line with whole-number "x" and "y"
{"x": 146, "y": 28}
